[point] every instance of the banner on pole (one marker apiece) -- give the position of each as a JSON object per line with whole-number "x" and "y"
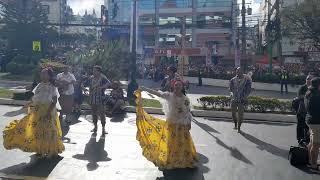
{"x": 36, "y": 46}
{"x": 208, "y": 57}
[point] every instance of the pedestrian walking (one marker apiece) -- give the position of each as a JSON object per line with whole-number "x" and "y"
{"x": 312, "y": 102}
{"x": 199, "y": 77}
{"x": 240, "y": 89}
{"x": 284, "y": 76}
{"x": 98, "y": 83}
{"x": 39, "y": 131}
{"x": 66, "y": 81}
{"x": 168, "y": 144}
{"x": 302, "y": 128}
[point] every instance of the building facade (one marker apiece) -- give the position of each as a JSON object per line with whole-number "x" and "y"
{"x": 206, "y": 25}
{"x": 285, "y": 50}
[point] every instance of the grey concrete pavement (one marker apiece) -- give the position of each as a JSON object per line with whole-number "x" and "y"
{"x": 194, "y": 93}
{"x": 212, "y": 90}
{"x": 259, "y": 153}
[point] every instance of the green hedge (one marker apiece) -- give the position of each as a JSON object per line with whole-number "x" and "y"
{"x": 19, "y": 69}
{"x": 255, "y": 104}
{"x": 266, "y": 78}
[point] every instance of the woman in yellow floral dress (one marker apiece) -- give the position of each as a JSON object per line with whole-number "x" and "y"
{"x": 39, "y": 131}
{"x": 168, "y": 144}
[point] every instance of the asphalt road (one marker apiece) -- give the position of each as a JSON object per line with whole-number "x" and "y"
{"x": 259, "y": 153}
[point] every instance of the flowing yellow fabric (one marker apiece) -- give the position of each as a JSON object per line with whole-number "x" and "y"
{"x": 167, "y": 145}
{"x": 35, "y": 133}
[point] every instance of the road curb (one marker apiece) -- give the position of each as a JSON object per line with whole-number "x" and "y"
{"x": 197, "y": 113}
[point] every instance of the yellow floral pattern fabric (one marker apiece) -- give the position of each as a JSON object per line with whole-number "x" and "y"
{"x": 35, "y": 133}
{"x": 166, "y": 144}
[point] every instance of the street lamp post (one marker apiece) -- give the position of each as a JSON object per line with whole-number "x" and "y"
{"x": 133, "y": 85}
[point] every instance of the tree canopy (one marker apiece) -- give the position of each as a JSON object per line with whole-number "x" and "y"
{"x": 23, "y": 24}
{"x": 302, "y": 21}
{"x": 113, "y": 56}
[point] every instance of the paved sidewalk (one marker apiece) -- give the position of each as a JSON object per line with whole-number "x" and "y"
{"x": 259, "y": 153}
{"x": 255, "y": 85}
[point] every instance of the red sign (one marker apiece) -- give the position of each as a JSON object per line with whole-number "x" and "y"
{"x": 177, "y": 51}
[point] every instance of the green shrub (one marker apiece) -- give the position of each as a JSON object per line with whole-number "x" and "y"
{"x": 265, "y": 78}
{"x": 19, "y": 69}
{"x": 21, "y": 59}
{"x": 255, "y": 104}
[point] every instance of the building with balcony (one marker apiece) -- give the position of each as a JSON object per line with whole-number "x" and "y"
{"x": 290, "y": 50}
{"x": 208, "y": 26}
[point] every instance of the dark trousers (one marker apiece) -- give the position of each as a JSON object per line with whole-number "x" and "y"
{"x": 302, "y": 129}
{"x": 98, "y": 111}
{"x": 285, "y": 84}
{"x": 199, "y": 81}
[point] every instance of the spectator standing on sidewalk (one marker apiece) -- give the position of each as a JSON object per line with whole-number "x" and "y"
{"x": 312, "y": 102}
{"x": 66, "y": 80}
{"x": 199, "y": 77}
{"x": 284, "y": 76}
{"x": 302, "y": 128}
{"x": 240, "y": 88}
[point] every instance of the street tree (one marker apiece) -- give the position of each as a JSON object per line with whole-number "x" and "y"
{"x": 113, "y": 56}
{"x": 302, "y": 22}
{"x": 23, "y": 23}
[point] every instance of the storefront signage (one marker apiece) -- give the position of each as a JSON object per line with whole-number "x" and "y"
{"x": 177, "y": 51}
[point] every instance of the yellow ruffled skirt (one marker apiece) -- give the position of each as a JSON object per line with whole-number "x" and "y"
{"x": 167, "y": 145}
{"x": 35, "y": 133}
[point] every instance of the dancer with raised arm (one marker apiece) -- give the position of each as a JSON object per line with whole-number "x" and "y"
{"x": 167, "y": 143}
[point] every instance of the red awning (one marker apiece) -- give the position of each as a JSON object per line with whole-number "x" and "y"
{"x": 265, "y": 60}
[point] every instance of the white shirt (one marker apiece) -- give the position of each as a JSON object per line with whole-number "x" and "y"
{"x": 44, "y": 92}
{"x": 69, "y": 77}
{"x": 177, "y": 109}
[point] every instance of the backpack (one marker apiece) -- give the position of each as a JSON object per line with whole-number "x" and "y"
{"x": 298, "y": 156}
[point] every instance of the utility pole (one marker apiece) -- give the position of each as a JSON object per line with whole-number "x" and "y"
{"x": 133, "y": 85}
{"x": 183, "y": 59}
{"x": 235, "y": 33}
{"x": 243, "y": 39}
{"x": 278, "y": 29}
{"x": 269, "y": 32}
{"x": 156, "y": 20}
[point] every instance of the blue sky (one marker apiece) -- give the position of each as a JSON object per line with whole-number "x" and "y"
{"x": 79, "y": 6}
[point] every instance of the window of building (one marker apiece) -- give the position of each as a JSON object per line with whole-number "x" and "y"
{"x": 175, "y": 3}
{"x": 143, "y": 20}
{"x": 214, "y": 20}
{"x": 45, "y": 9}
{"x": 146, "y": 4}
{"x": 214, "y": 3}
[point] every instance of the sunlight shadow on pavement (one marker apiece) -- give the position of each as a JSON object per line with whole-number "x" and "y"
{"x": 252, "y": 121}
{"x": 94, "y": 152}
{"x": 266, "y": 146}
{"x": 36, "y": 167}
{"x": 233, "y": 151}
{"x": 16, "y": 113}
{"x": 118, "y": 118}
{"x": 205, "y": 127}
{"x": 187, "y": 173}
